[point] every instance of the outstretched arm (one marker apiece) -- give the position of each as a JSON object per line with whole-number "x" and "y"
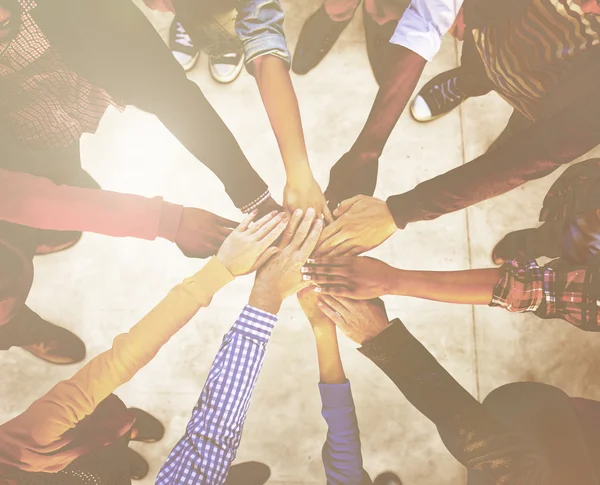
{"x": 260, "y": 27}
{"x": 365, "y": 278}
{"x": 416, "y": 41}
{"x": 342, "y": 450}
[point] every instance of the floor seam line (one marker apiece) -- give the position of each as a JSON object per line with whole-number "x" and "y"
{"x": 469, "y": 248}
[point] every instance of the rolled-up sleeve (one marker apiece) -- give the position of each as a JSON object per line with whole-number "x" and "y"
{"x": 259, "y": 26}
{"x": 423, "y": 25}
{"x": 521, "y": 287}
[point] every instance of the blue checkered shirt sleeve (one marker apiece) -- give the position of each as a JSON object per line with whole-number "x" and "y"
{"x": 204, "y": 454}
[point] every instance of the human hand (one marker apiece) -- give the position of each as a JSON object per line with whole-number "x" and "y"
{"x": 269, "y": 205}
{"x": 304, "y": 192}
{"x": 352, "y": 175}
{"x": 309, "y": 300}
{"x": 359, "y": 278}
{"x": 201, "y": 233}
{"x": 362, "y": 223}
{"x": 359, "y": 320}
{"x": 248, "y": 247}
{"x": 160, "y": 5}
{"x": 280, "y": 277}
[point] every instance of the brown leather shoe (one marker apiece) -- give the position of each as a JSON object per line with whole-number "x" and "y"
{"x": 47, "y": 341}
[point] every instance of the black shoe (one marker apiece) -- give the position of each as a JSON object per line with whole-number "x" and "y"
{"x": 388, "y": 478}
{"x": 438, "y": 97}
{"x": 316, "y": 39}
{"x": 45, "y": 340}
{"x": 138, "y": 467}
{"x": 248, "y": 473}
{"x": 182, "y": 47}
{"x": 515, "y": 245}
{"x": 378, "y": 43}
{"x": 148, "y": 429}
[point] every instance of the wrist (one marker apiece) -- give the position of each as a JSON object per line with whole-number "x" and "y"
{"x": 390, "y": 279}
{"x": 324, "y": 331}
{"x": 299, "y": 174}
{"x": 265, "y": 299}
{"x": 367, "y": 150}
{"x": 170, "y": 221}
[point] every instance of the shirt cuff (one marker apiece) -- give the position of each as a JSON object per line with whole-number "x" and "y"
{"x": 170, "y": 218}
{"x": 386, "y": 346}
{"x": 399, "y": 210}
{"x": 255, "y": 324}
{"x": 206, "y": 282}
{"x": 336, "y": 395}
{"x": 272, "y": 44}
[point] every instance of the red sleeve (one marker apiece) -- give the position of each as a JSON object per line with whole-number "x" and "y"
{"x": 38, "y": 202}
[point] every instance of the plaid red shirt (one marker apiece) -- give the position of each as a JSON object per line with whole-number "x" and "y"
{"x": 43, "y": 103}
{"x": 557, "y": 290}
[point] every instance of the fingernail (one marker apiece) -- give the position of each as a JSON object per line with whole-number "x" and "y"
{"x": 318, "y": 289}
{"x": 304, "y": 269}
{"x": 274, "y": 212}
{"x": 310, "y": 211}
{"x": 310, "y": 261}
{"x": 298, "y": 212}
{"x": 306, "y": 277}
{"x": 319, "y": 222}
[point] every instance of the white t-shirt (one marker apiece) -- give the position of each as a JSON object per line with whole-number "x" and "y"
{"x": 423, "y": 25}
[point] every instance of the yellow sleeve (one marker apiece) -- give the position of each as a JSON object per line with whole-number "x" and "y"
{"x": 48, "y": 418}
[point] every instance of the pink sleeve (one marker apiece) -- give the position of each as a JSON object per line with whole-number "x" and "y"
{"x": 38, "y": 202}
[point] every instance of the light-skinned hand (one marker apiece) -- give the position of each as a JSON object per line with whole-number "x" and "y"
{"x": 309, "y": 300}
{"x": 280, "y": 277}
{"x": 248, "y": 247}
{"x": 359, "y": 320}
{"x": 362, "y": 223}
{"x": 304, "y": 192}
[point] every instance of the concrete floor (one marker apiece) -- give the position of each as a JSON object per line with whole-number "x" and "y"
{"x": 103, "y": 286}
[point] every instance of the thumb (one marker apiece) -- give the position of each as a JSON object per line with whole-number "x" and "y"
{"x": 346, "y": 205}
{"x": 268, "y": 254}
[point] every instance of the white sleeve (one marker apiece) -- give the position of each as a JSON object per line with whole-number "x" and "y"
{"x": 423, "y": 25}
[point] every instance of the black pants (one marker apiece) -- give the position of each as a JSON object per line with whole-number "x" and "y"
{"x": 18, "y": 243}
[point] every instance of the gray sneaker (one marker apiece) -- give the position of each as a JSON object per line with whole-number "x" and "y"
{"x": 226, "y": 68}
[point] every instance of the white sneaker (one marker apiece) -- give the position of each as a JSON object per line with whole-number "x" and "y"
{"x": 226, "y": 68}
{"x": 182, "y": 47}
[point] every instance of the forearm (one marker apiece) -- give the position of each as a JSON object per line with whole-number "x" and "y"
{"x": 72, "y": 400}
{"x": 471, "y": 434}
{"x": 279, "y": 98}
{"x": 532, "y": 154}
{"x": 215, "y": 428}
{"x": 403, "y": 72}
{"x": 331, "y": 370}
{"x": 38, "y": 202}
{"x": 472, "y": 287}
